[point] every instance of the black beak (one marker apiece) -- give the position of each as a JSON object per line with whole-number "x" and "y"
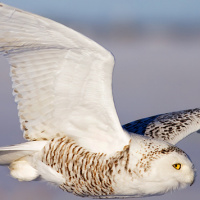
{"x": 192, "y": 183}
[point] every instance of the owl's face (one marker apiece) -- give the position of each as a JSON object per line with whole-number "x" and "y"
{"x": 171, "y": 171}
{"x": 161, "y": 167}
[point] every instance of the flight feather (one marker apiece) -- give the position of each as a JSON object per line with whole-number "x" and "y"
{"x": 47, "y": 60}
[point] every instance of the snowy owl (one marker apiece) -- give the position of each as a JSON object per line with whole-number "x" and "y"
{"x": 62, "y": 82}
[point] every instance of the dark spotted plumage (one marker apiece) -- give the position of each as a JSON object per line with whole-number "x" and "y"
{"x": 154, "y": 153}
{"x": 85, "y": 173}
{"x": 139, "y": 126}
{"x": 170, "y": 127}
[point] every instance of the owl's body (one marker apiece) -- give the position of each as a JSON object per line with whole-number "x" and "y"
{"x": 125, "y": 173}
{"x": 62, "y": 82}
{"x": 85, "y": 173}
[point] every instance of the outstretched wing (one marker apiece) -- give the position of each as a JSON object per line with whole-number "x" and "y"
{"x": 61, "y": 79}
{"x": 170, "y": 127}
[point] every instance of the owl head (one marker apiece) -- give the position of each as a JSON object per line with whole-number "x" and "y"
{"x": 159, "y": 166}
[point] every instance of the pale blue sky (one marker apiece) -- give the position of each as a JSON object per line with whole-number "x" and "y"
{"x": 114, "y": 10}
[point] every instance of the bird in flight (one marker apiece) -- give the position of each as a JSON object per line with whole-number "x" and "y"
{"x": 62, "y": 83}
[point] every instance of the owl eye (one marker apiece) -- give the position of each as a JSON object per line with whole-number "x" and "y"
{"x": 177, "y": 166}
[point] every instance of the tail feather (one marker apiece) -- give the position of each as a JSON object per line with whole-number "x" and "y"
{"x": 15, "y": 152}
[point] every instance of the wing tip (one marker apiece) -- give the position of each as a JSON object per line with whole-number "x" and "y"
{"x": 8, "y": 7}
{"x": 3, "y": 5}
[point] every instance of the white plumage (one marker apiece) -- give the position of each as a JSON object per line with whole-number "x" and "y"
{"x": 61, "y": 79}
{"x": 62, "y": 82}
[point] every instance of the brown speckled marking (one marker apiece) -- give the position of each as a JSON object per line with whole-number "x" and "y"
{"x": 86, "y": 173}
{"x": 24, "y": 127}
{"x": 144, "y": 164}
{"x": 168, "y": 126}
{"x": 16, "y": 91}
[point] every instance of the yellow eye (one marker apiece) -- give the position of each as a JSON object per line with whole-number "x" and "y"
{"x": 177, "y": 166}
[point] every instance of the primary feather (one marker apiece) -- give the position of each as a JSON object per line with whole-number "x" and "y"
{"x": 61, "y": 81}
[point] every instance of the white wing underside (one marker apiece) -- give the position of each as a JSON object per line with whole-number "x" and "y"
{"x": 62, "y": 81}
